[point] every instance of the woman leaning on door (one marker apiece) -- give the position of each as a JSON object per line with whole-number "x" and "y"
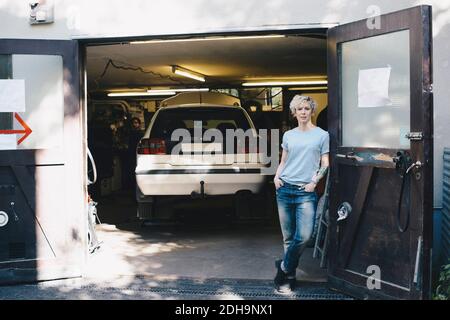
{"x": 304, "y": 161}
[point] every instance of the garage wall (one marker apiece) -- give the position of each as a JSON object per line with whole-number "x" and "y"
{"x": 112, "y": 18}
{"x": 85, "y": 18}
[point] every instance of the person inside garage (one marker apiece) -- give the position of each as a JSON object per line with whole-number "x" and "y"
{"x": 134, "y": 136}
{"x": 304, "y": 161}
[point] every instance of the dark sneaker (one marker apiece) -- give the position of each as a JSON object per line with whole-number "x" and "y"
{"x": 292, "y": 283}
{"x": 280, "y": 277}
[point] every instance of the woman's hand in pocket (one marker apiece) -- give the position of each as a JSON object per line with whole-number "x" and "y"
{"x": 310, "y": 187}
{"x": 278, "y": 183}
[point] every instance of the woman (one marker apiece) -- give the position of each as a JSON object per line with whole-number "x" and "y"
{"x": 304, "y": 162}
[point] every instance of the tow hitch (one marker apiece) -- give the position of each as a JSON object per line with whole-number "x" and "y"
{"x": 201, "y": 195}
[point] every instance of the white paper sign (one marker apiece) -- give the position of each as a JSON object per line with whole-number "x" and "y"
{"x": 373, "y": 87}
{"x": 12, "y": 95}
{"x": 8, "y": 141}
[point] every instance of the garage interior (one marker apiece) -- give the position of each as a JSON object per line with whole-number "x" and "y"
{"x": 203, "y": 239}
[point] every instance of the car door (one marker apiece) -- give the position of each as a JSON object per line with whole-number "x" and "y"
{"x": 42, "y": 206}
{"x": 381, "y": 128}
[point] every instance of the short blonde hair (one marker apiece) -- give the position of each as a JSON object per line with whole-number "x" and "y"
{"x": 299, "y": 99}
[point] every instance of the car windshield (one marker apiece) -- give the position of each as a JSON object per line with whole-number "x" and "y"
{"x": 211, "y": 118}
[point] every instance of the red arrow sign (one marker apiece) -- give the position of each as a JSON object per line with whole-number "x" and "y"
{"x": 27, "y": 131}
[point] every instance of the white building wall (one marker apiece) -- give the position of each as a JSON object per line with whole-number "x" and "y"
{"x": 113, "y": 18}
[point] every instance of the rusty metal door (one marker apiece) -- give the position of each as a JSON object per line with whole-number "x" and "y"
{"x": 381, "y": 127}
{"x": 42, "y": 209}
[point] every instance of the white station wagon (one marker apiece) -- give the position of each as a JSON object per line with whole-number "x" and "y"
{"x": 184, "y": 151}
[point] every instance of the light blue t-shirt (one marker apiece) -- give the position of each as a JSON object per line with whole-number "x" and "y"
{"x": 304, "y": 151}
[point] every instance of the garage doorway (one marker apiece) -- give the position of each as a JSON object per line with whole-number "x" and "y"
{"x": 402, "y": 155}
{"x": 220, "y": 236}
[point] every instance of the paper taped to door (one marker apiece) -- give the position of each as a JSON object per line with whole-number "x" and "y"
{"x": 12, "y": 95}
{"x": 373, "y": 87}
{"x": 8, "y": 141}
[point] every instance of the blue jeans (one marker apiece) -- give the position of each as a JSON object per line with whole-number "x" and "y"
{"x": 296, "y": 210}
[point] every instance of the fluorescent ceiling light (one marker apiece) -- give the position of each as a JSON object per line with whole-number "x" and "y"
{"x": 307, "y": 88}
{"x": 283, "y": 83}
{"x": 180, "y": 90}
{"x": 190, "y": 90}
{"x": 188, "y": 73}
{"x": 210, "y": 39}
{"x": 138, "y": 94}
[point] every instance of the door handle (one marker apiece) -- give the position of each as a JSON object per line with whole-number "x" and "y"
{"x": 416, "y": 164}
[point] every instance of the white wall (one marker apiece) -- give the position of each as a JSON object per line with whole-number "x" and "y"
{"x": 109, "y": 18}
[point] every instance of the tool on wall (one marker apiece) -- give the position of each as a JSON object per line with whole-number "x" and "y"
{"x": 94, "y": 168}
{"x": 93, "y": 242}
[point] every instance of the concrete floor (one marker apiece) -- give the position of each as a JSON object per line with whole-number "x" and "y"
{"x": 200, "y": 246}
{"x": 203, "y": 256}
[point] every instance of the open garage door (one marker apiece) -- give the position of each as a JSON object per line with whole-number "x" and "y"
{"x": 381, "y": 119}
{"x": 41, "y": 156}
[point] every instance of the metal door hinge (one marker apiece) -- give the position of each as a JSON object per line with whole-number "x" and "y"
{"x": 414, "y": 136}
{"x": 428, "y": 89}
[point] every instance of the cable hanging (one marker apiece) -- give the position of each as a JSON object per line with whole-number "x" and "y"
{"x": 132, "y": 68}
{"x": 127, "y": 66}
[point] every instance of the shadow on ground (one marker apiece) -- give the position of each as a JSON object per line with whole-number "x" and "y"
{"x": 203, "y": 254}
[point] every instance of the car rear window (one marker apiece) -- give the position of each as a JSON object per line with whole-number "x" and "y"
{"x": 211, "y": 118}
